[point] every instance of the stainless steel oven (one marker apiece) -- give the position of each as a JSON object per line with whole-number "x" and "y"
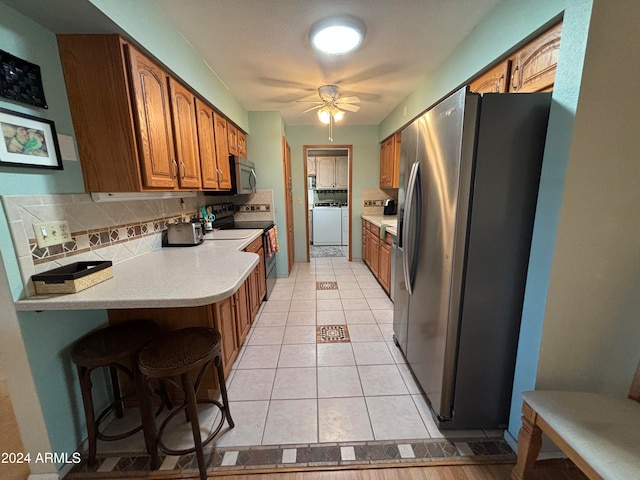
{"x": 224, "y": 220}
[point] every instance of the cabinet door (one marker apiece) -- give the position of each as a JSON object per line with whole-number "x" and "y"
{"x": 243, "y": 319}
{"x": 384, "y": 265}
{"x": 385, "y": 177}
{"x": 232, "y": 139}
{"x": 185, "y": 136}
{"x": 222, "y": 151}
{"x": 494, "y": 80}
{"x": 534, "y": 66}
{"x": 311, "y": 166}
{"x": 225, "y": 323}
{"x": 325, "y": 172}
{"x": 207, "y": 146}
{"x": 342, "y": 173}
{"x": 242, "y": 144}
{"x": 374, "y": 245}
{"x": 262, "y": 280}
{"x": 153, "y": 115}
{"x": 390, "y": 162}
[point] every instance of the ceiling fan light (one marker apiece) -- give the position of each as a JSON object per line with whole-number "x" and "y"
{"x": 337, "y": 36}
{"x": 337, "y": 114}
{"x": 324, "y": 115}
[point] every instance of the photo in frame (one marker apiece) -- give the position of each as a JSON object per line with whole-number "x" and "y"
{"x": 28, "y": 141}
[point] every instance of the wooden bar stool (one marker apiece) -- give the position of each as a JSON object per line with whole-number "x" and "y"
{"x": 184, "y": 355}
{"x": 115, "y": 347}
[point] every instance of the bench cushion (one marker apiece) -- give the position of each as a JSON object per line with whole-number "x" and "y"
{"x": 604, "y": 431}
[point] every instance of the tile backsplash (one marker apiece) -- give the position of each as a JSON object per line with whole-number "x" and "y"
{"x": 255, "y": 206}
{"x": 372, "y": 201}
{"x": 115, "y": 231}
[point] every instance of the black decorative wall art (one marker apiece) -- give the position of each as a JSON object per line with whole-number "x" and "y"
{"x": 21, "y": 80}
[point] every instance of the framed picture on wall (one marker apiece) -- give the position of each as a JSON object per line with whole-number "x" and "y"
{"x": 28, "y": 141}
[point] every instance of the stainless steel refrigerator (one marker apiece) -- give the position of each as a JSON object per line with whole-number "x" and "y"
{"x": 470, "y": 169}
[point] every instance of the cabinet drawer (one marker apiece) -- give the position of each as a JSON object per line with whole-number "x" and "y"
{"x": 255, "y": 245}
{"x": 387, "y": 238}
{"x": 374, "y": 230}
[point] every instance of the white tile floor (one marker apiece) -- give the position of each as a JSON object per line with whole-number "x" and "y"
{"x": 284, "y": 388}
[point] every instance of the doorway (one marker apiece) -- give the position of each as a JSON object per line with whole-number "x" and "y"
{"x": 328, "y": 173}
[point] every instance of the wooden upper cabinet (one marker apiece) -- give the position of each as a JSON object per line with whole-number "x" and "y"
{"x": 242, "y": 144}
{"x": 136, "y": 127}
{"x": 390, "y": 161}
{"x": 216, "y": 175}
{"x": 530, "y": 69}
{"x": 232, "y": 136}
{"x": 207, "y": 146}
{"x": 494, "y": 80}
{"x": 534, "y": 65}
{"x": 222, "y": 151}
{"x": 153, "y": 114}
{"x": 185, "y": 135}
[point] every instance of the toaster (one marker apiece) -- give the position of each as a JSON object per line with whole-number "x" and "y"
{"x": 184, "y": 234}
{"x": 390, "y": 207}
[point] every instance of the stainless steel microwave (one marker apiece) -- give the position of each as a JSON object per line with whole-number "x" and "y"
{"x": 246, "y": 178}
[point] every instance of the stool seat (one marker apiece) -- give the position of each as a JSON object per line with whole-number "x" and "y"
{"x": 117, "y": 341}
{"x": 116, "y": 348}
{"x": 186, "y": 354}
{"x": 179, "y": 352}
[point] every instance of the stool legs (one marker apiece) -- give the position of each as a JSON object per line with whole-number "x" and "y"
{"x": 84, "y": 375}
{"x": 192, "y": 410}
{"x": 217, "y": 361}
{"x": 148, "y": 418}
{"x": 115, "y": 384}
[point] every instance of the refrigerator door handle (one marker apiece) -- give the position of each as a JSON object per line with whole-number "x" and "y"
{"x": 408, "y": 270}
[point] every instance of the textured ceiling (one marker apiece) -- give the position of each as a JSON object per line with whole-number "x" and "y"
{"x": 260, "y": 49}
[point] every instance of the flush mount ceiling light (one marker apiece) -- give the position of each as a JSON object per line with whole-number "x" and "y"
{"x": 337, "y": 35}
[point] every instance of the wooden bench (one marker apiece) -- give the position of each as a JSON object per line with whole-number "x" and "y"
{"x": 600, "y": 434}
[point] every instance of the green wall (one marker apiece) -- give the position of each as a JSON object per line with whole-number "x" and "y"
{"x": 264, "y": 148}
{"x": 47, "y": 336}
{"x": 365, "y": 172}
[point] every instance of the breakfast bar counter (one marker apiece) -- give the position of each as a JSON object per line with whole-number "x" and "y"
{"x": 168, "y": 277}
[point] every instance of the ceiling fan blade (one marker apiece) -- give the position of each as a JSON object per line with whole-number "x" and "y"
{"x": 352, "y": 99}
{"x": 312, "y": 108}
{"x": 348, "y": 107}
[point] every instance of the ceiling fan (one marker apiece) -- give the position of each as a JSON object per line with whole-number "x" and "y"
{"x": 331, "y": 106}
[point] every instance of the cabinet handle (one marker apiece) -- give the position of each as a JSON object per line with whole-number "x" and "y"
{"x": 175, "y": 172}
{"x": 184, "y": 169}
{"x": 514, "y": 78}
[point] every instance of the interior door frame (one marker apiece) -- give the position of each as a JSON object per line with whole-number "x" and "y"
{"x": 305, "y": 149}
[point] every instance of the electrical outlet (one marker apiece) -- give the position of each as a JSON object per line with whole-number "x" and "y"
{"x": 52, "y": 233}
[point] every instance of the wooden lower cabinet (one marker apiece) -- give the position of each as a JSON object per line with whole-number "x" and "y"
{"x": 243, "y": 318}
{"x": 376, "y": 253}
{"x": 257, "y": 282}
{"x": 231, "y": 317}
{"x": 225, "y": 321}
{"x": 384, "y": 265}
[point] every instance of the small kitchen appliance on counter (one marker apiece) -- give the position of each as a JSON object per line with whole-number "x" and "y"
{"x": 183, "y": 235}
{"x": 390, "y": 207}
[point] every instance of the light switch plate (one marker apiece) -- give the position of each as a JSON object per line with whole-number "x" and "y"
{"x": 52, "y": 233}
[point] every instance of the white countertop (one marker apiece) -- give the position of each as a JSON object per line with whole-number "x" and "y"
{"x": 378, "y": 220}
{"x": 167, "y": 277}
